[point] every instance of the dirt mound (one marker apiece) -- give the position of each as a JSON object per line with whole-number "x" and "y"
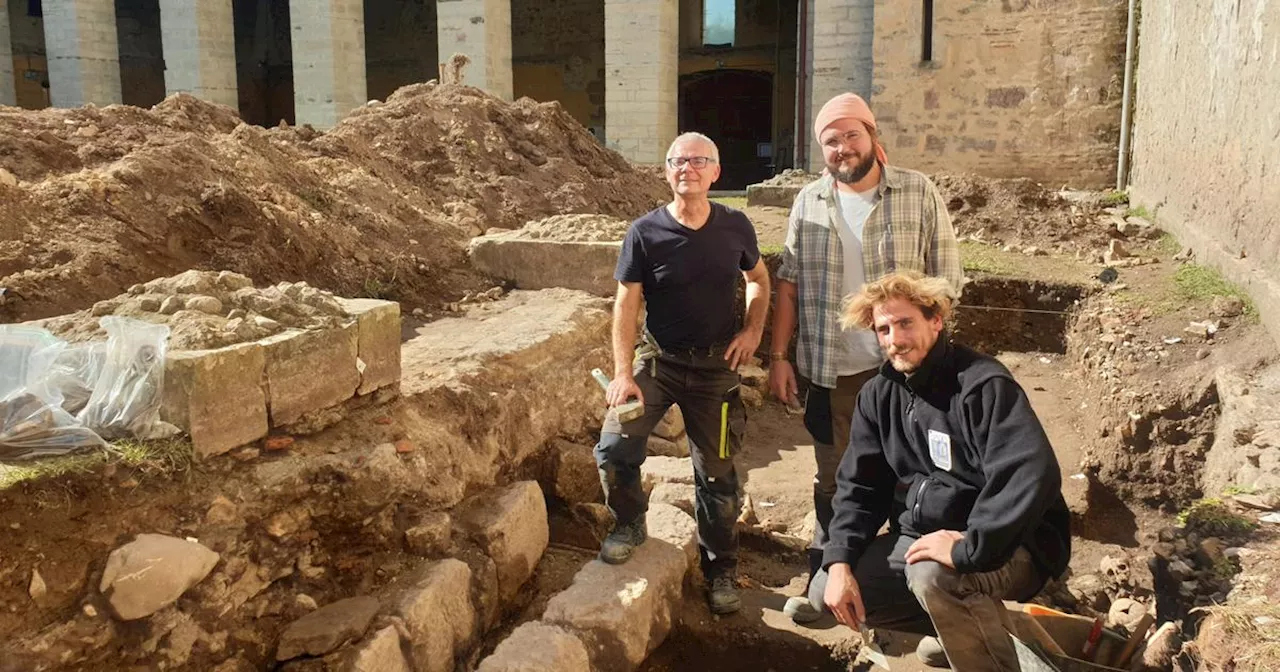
{"x": 380, "y": 206}
{"x": 575, "y": 228}
{"x": 1020, "y": 212}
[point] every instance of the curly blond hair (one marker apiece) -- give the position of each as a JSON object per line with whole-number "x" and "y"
{"x": 934, "y": 296}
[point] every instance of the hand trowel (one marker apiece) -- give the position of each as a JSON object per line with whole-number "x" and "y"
{"x": 627, "y": 411}
{"x": 871, "y": 649}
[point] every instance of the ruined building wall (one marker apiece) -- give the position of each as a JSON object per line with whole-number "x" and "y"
{"x": 557, "y": 53}
{"x": 1015, "y": 88}
{"x": 1206, "y": 136}
{"x": 400, "y": 45}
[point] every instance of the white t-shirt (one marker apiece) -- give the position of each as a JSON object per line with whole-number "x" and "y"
{"x": 859, "y": 349}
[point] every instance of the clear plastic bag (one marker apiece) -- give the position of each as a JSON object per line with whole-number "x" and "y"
{"x": 126, "y": 398}
{"x": 25, "y": 355}
{"x": 75, "y": 373}
{"x": 32, "y": 421}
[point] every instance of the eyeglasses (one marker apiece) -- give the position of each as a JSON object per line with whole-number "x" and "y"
{"x": 837, "y": 141}
{"x": 696, "y": 162}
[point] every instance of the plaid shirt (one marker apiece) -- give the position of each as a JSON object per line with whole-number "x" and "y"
{"x": 908, "y": 229}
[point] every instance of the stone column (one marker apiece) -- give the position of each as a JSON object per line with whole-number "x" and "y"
{"x": 8, "y": 95}
{"x": 841, "y": 46}
{"x": 641, "y": 56}
{"x": 481, "y": 29}
{"x": 199, "y": 49}
{"x": 84, "y": 58}
{"x": 328, "y": 60}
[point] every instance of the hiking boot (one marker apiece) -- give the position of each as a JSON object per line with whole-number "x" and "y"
{"x": 800, "y": 610}
{"x": 723, "y": 595}
{"x": 622, "y": 541}
{"x": 930, "y": 652}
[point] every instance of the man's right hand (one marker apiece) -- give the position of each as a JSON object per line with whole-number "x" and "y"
{"x": 843, "y": 597}
{"x": 622, "y": 388}
{"x": 782, "y": 382}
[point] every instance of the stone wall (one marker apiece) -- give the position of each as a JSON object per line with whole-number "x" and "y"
{"x": 557, "y": 53}
{"x": 1016, "y": 88}
{"x": 30, "y": 63}
{"x": 142, "y": 62}
{"x": 400, "y": 45}
{"x": 1205, "y": 158}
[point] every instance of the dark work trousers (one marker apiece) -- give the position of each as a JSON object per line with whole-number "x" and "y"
{"x": 707, "y": 391}
{"x": 828, "y": 416}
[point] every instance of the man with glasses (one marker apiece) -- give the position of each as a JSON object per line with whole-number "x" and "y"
{"x": 860, "y": 221}
{"x": 683, "y": 260}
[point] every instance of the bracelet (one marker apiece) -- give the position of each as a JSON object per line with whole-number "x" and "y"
{"x": 777, "y": 356}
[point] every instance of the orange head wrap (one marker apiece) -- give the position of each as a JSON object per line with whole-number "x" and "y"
{"x": 847, "y": 106}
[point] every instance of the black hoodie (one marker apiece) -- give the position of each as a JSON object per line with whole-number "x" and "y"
{"x": 953, "y": 446}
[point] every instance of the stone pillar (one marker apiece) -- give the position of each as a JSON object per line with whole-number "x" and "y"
{"x": 8, "y": 95}
{"x": 481, "y": 29}
{"x": 199, "y": 49}
{"x": 641, "y": 57}
{"x": 841, "y": 33}
{"x": 328, "y": 60}
{"x": 84, "y": 59}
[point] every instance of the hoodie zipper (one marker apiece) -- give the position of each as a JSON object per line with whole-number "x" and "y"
{"x": 915, "y": 510}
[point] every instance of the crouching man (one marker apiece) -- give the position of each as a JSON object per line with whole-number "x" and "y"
{"x": 945, "y": 446}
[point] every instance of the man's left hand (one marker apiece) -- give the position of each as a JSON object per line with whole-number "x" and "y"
{"x": 743, "y": 347}
{"x": 935, "y": 546}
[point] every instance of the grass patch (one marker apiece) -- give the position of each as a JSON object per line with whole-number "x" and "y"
{"x": 735, "y": 202}
{"x": 1201, "y": 283}
{"x": 1168, "y": 245}
{"x": 1140, "y": 211}
{"x": 770, "y": 250}
{"x": 164, "y": 457}
{"x": 1210, "y": 517}
{"x": 375, "y": 287}
{"x": 978, "y": 258}
{"x": 1113, "y": 198}
{"x": 1251, "y": 636}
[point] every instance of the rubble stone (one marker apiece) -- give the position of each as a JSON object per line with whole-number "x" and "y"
{"x": 152, "y": 572}
{"x": 437, "y": 611}
{"x": 216, "y": 396}
{"x": 538, "y": 647}
{"x": 670, "y": 524}
{"x": 510, "y": 525}
{"x": 671, "y": 426}
{"x": 382, "y": 653}
{"x": 431, "y": 535}
{"x": 576, "y": 477}
{"x": 676, "y": 494}
{"x": 327, "y": 628}
{"x": 657, "y": 445}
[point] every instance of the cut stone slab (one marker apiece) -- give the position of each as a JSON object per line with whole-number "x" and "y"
{"x": 381, "y": 653}
{"x": 576, "y": 477}
{"x": 670, "y": 524}
{"x": 510, "y": 525}
{"x": 623, "y": 612}
{"x": 216, "y": 396}
{"x": 542, "y": 264}
{"x": 378, "y": 341}
{"x": 538, "y": 647}
{"x": 310, "y": 370}
{"x": 679, "y": 495}
{"x": 327, "y": 628}
{"x": 659, "y": 446}
{"x": 671, "y": 426}
{"x": 435, "y": 603}
{"x": 658, "y": 469}
{"x": 151, "y": 572}
{"x": 778, "y": 196}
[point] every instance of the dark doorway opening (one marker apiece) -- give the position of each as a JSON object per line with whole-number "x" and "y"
{"x": 734, "y": 108}
{"x": 400, "y": 45}
{"x": 141, "y": 53}
{"x": 264, "y": 61}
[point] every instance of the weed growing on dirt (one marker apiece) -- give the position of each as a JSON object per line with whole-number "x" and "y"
{"x": 163, "y": 457}
{"x": 770, "y": 250}
{"x": 1253, "y": 635}
{"x": 1113, "y": 198}
{"x": 983, "y": 259}
{"x": 377, "y": 288}
{"x": 1238, "y": 490}
{"x": 1168, "y": 245}
{"x": 1201, "y": 283}
{"x": 1140, "y": 211}
{"x": 1210, "y": 517}
{"x": 735, "y": 202}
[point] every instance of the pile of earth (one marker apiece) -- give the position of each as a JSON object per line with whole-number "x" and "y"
{"x": 95, "y": 200}
{"x": 574, "y": 228}
{"x": 1022, "y": 212}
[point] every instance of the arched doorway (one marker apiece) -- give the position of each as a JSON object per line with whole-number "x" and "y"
{"x": 734, "y": 108}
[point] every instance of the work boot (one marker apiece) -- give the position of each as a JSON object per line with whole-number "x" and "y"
{"x": 622, "y": 541}
{"x": 930, "y": 652}
{"x": 800, "y": 610}
{"x": 723, "y": 595}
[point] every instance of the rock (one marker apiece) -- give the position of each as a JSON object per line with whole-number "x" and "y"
{"x": 1226, "y": 306}
{"x": 1161, "y": 649}
{"x": 37, "y": 588}
{"x": 305, "y": 601}
{"x": 150, "y": 304}
{"x": 204, "y": 304}
{"x": 232, "y": 281}
{"x": 538, "y": 647}
{"x": 1164, "y": 549}
{"x": 435, "y": 603}
{"x": 660, "y": 446}
{"x": 289, "y": 522}
{"x": 623, "y": 612}
{"x": 430, "y": 537}
{"x": 1126, "y": 613}
{"x": 170, "y": 305}
{"x": 666, "y": 470}
{"x": 292, "y": 360}
{"x": 381, "y": 653}
{"x": 1089, "y": 590}
{"x": 1260, "y": 501}
{"x": 152, "y": 572}
{"x": 327, "y": 628}
{"x": 752, "y": 397}
{"x": 510, "y": 525}
{"x": 1180, "y": 570}
{"x": 676, "y": 494}
{"x": 221, "y": 512}
{"x": 753, "y": 376}
{"x": 103, "y": 308}
{"x": 670, "y": 524}
{"x": 1115, "y": 251}
{"x": 7, "y": 178}
{"x": 576, "y": 477}
{"x": 1202, "y": 353}
{"x": 671, "y": 427}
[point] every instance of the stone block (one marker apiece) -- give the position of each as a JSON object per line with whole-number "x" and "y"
{"x": 623, "y": 612}
{"x": 679, "y": 495}
{"x": 666, "y": 470}
{"x": 576, "y": 477}
{"x": 659, "y": 446}
{"x": 378, "y": 341}
{"x": 541, "y": 264}
{"x": 671, "y": 426}
{"x": 310, "y": 370}
{"x": 510, "y": 525}
{"x": 216, "y": 396}
{"x": 538, "y": 647}
{"x": 327, "y": 628}
{"x": 381, "y": 653}
{"x": 778, "y": 196}
{"x": 431, "y": 535}
{"x": 435, "y": 603}
{"x": 668, "y": 523}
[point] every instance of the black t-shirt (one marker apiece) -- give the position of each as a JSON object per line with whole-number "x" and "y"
{"x": 690, "y": 278}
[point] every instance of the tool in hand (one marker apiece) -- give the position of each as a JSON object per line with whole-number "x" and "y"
{"x": 626, "y": 411}
{"x": 874, "y": 654}
{"x": 1138, "y": 636}
{"x": 1095, "y": 637}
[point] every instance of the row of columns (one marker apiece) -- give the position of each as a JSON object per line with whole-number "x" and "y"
{"x": 641, "y": 57}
